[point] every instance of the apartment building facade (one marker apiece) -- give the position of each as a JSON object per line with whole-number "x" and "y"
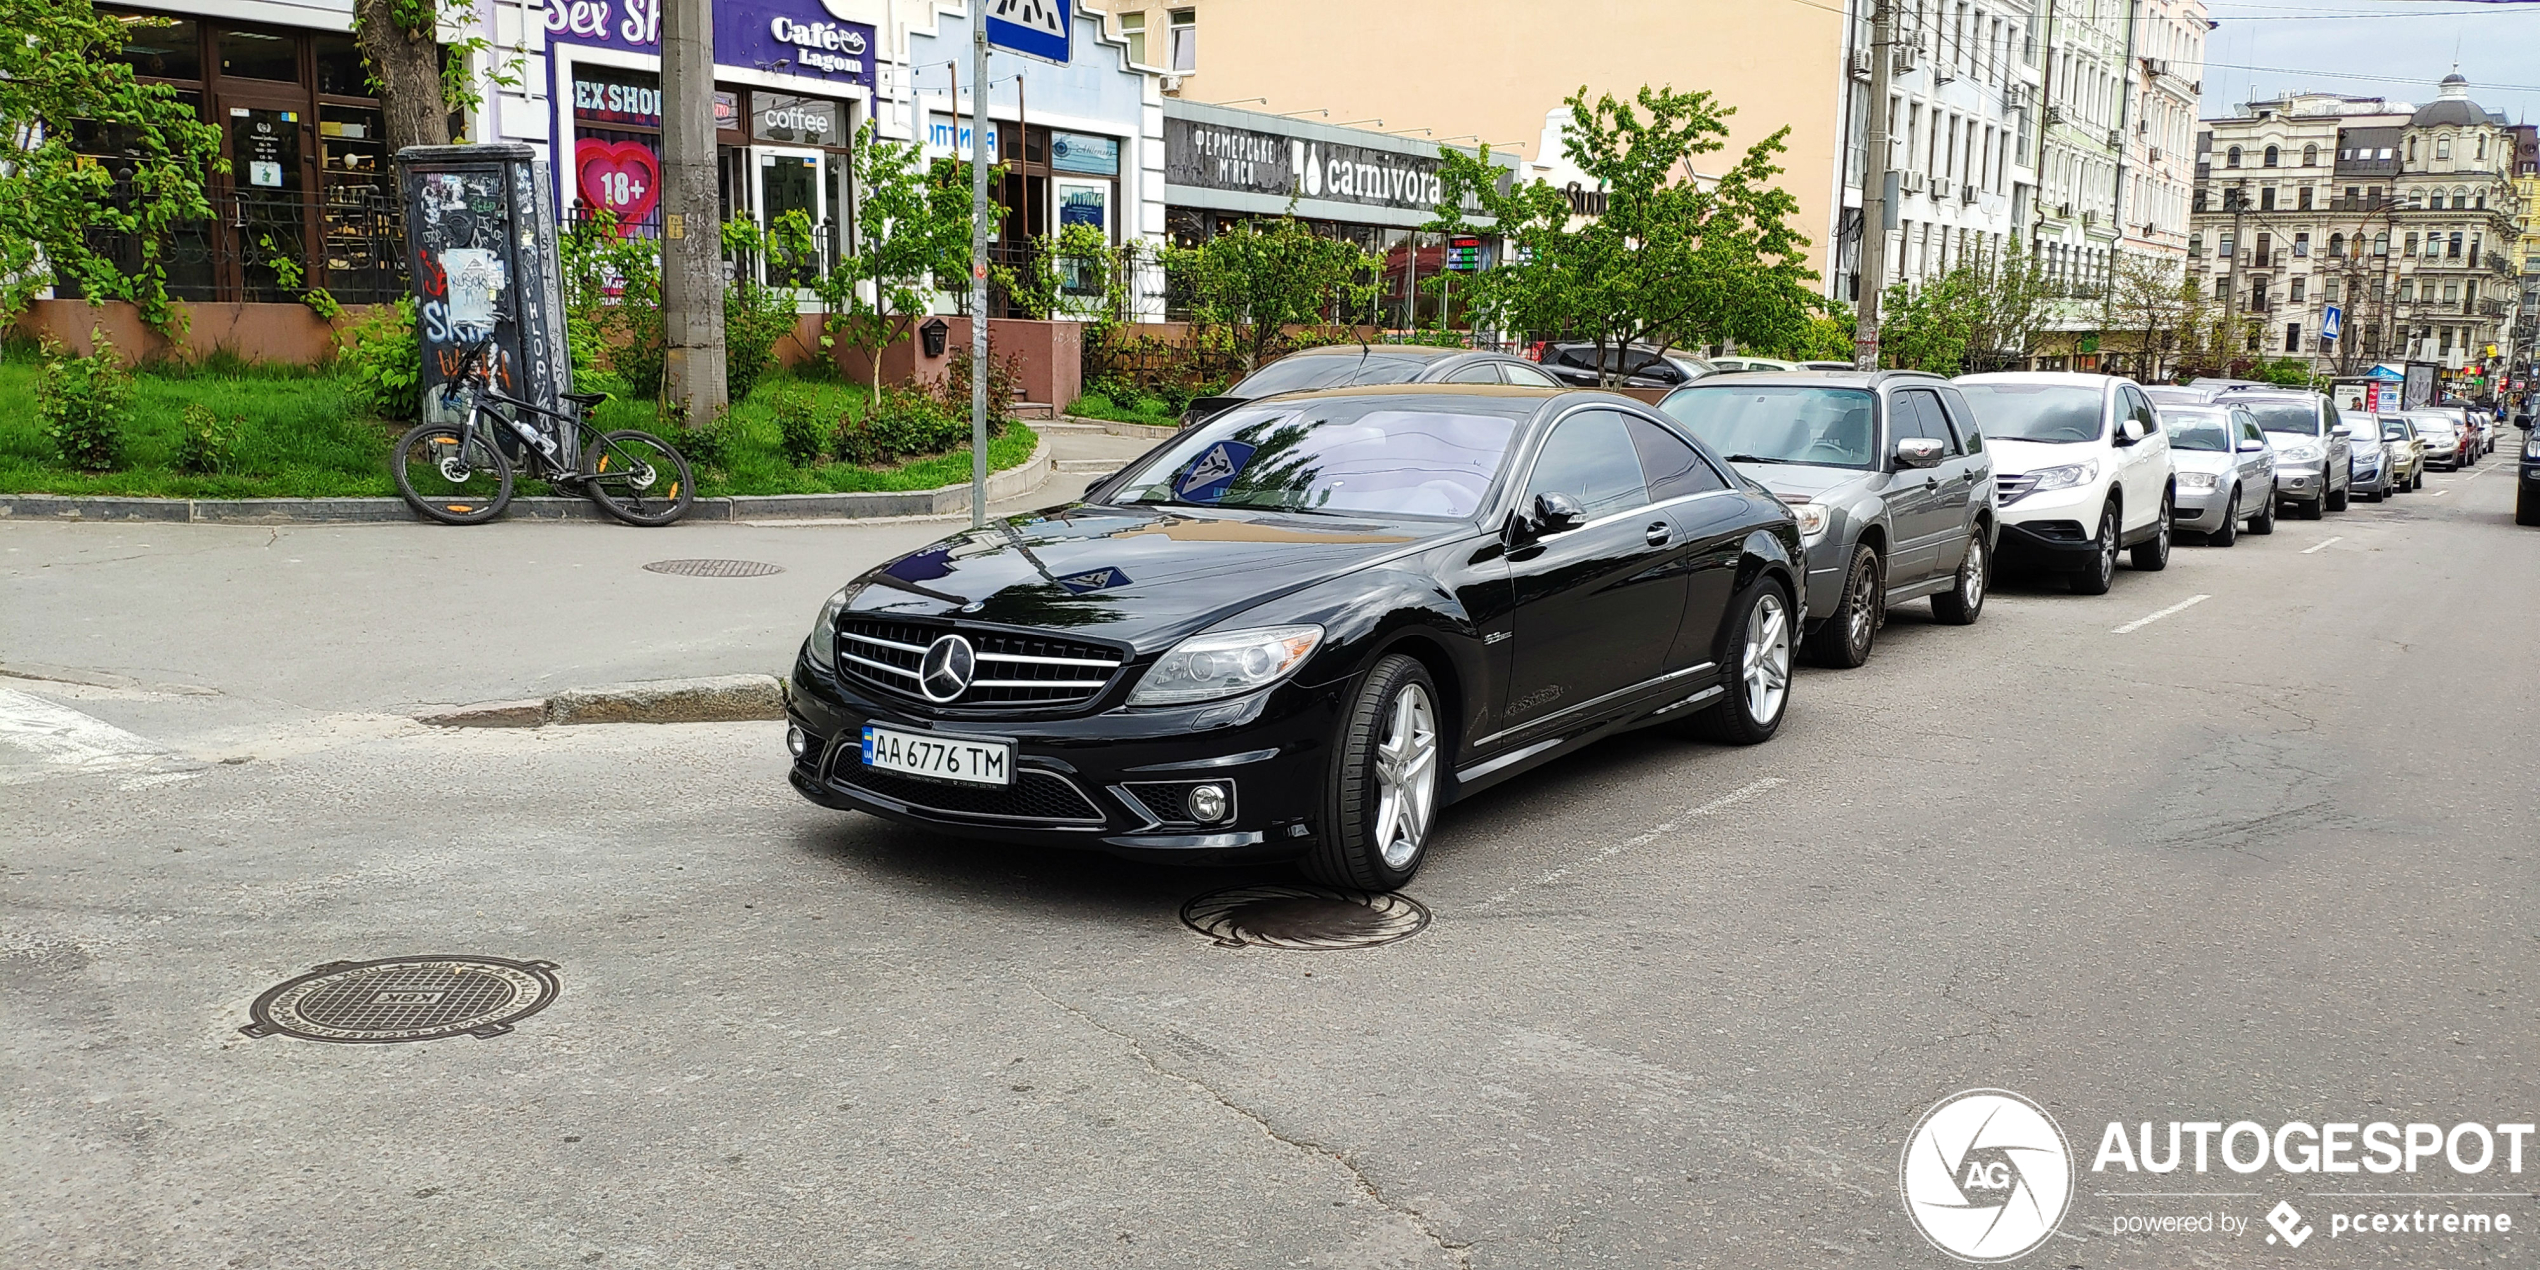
{"x": 2403, "y": 218}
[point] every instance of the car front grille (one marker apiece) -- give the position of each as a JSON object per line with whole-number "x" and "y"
{"x": 1013, "y": 669}
{"x": 2011, "y": 489}
{"x": 1037, "y": 796}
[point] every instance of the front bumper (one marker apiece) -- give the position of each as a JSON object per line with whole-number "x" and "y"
{"x": 2300, "y": 482}
{"x": 2201, "y": 511}
{"x": 2051, "y": 529}
{"x": 1101, "y": 782}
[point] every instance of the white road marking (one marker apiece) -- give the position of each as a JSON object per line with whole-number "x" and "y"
{"x": 1712, "y": 808}
{"x": 2323, "y": 543}
{"x": 2441, "y": 492}
{"x": 2149, "y": 618}
{"x": 58, "y": 739}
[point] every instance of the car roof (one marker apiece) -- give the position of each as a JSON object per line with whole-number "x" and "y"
{"x": 2244, "y": 391}
{"x": 1815, "y": 378}
{"x": 1366, "y": 350}
{"x": 2070, "y": 378}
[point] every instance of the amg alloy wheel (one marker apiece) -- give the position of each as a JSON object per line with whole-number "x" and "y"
{"x": 1758, "y": 681}
{"x": 1385, "y": 783}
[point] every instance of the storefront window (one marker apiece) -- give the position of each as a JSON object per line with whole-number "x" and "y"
{"x": 340, "y": 71}
{"x": 617, "y": 144}
{"x": 259, "y": 55}
{"x": 1083, "y": 152}
{"x": 794, "y": 120}
{"x": 173, "y": 50}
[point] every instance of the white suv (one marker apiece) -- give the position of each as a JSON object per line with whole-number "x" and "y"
{"x": 2081, "y": 467}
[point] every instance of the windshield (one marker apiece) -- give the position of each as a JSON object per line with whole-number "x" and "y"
{"x": 2433, "y": 423}
{"x": 2057, "y": 414}
{"x": 2298, "y": 418}
{"x": 1830, "y": 427}
{"x": 2198, "y": 429}
{"x": 1349, "y": 457}
{"x": 1328, "y": 370}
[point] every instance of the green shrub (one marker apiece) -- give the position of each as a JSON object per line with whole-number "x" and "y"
{"x": 906, "y": 423}
{"x": 206, "y": 444}
{"x": 803, "y": 432}
{"x": 1094, "y": 405}
{"x": 713, "y": 444}
{"x": 85, "y": 404}
{"x": 383, "y": 363}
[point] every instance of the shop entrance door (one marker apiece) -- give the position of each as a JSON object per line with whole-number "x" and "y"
{"x": 791, "y": 181}
{"x": 265, "y": 227}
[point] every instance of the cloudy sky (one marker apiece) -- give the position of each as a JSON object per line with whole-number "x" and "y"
{"x": 2378, "y": 48}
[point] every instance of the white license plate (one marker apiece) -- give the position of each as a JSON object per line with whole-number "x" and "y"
{"x": 943, "y": 758}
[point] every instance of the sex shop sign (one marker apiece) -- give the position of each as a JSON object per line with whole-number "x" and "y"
{"x": 805, "y": 38}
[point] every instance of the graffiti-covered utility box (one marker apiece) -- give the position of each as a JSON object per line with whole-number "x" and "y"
{"x": 481, "y": 241}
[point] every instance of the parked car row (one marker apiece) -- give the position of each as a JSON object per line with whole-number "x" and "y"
{"x": 1372, "y": 581}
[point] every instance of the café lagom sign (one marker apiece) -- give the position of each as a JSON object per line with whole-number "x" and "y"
{"x": 810, "y": 40}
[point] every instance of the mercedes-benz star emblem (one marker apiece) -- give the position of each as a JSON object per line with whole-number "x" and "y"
{"x": 945, "y": 674}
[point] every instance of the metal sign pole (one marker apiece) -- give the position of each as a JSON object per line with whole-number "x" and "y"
{"x": 979, "y": 126}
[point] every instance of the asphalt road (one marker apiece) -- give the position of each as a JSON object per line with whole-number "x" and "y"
{"x": 2270, "y": 857}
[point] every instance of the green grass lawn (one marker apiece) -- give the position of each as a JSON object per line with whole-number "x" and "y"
{"x": 304, "y": 438}
{"x": 1141, "y": 409}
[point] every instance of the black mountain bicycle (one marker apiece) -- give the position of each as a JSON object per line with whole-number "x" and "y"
{"x": 458, "y": 474}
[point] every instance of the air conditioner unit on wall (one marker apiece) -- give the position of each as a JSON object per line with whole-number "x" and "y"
{"x": 2015, "y": 95}
{"x": 2156, "y": 66}
{"x": 1861, "y": 64}
{"x": 1907, "y": 58}
{"x": 1968, "y": 194}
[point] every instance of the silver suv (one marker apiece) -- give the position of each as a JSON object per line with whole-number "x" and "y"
{"x": 2314, "y": 464}
{"x": 1888, "y": 476}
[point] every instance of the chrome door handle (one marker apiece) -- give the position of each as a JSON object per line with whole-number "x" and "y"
{"x": 1658, "y": 534}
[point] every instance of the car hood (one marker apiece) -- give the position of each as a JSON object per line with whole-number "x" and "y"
{"x": 1793, "y": 483}
{"x": 1142, "y": 576}
{"x": 2203, "y": 460}
{"x": 2018, "y": 458}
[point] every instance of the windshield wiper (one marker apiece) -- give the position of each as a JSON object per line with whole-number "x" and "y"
{"x": 1758, "y": 458}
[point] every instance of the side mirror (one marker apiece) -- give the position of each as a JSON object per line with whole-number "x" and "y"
{"x": 1555, "y": 512}
{"x": 2130, "y": 431}
{"x": 2523, "y": 423}
{"x": 2251, "y": 447}
{"x": 1912, "y": 452}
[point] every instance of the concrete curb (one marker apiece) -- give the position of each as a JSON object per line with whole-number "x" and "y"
{"x": 713, "y": 699}
{"x": 1117, "y": 428}
{"x": 1013, "y": 482}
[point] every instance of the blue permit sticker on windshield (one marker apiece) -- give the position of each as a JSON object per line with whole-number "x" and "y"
{"x": 1207, "y": 480}
{"x": 1093, "y": 580}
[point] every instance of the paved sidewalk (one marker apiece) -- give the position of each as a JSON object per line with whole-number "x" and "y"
{"x": 388, "y": 618}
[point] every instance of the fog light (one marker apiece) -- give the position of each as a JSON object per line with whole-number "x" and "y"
{"x": 797, "y": 741}
{"x": 1208, "y": 802}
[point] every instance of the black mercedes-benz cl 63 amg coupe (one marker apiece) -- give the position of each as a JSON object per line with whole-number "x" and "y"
{"x": 1300, "y": 628}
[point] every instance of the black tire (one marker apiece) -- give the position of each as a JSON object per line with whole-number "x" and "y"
{"x": 2153, "y": 554}
{"x": 1363, "y": 846}
{"x": 2102, "y": 571}
{"x": 2337, "y": 499}
{"x": 1963, "y": 602}
{"x": 2230, "y": 531}
{"x": 2311, "y": 510}
{"x": 440, "y": 482}
{"x": 1739, "y": 718}
{"x": 2526, "y": 506}
{"x": 2264, "y": 521}
{"x": 624, "y": 472}
{"x": 1843, "y": 640}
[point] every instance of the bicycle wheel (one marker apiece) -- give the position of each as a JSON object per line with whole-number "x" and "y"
{"x": 636, "y": 477}
{"x": 444, "y": 484}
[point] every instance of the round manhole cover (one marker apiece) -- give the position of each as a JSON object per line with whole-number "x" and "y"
{"x": 716, "y": 568}
{"x": 1309, "y": 917}
{"x": 406, "y": 999}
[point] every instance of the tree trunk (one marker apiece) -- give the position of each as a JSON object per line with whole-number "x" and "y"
{"x": 408, "y": 68}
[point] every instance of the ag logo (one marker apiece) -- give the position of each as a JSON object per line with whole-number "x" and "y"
{"x": 1986, "y": 1175}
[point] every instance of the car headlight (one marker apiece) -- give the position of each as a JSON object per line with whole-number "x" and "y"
{"x": 2067, "y": 476}
{"x": 823, "y": 643}
{"x": 2195, "y": 480}
{"x": 2306, "y": 452}
{"x": 1812, "y": 520}
{"x": 1223, "y": 663}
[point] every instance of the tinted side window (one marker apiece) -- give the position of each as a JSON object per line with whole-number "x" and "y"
{"x": 1962, "y": 422}
{"x": 1675, "y": 469}
{"x": 2139, "y": 408}
{"x": 1527, "y": 376}
{"x": 1935, "y": 420}
{"x": 1479, "y": 373}
{"x": 1590, "y": 458}
{"x": 1906, "y": 418}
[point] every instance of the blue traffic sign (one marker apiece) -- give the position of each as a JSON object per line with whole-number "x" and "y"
{"x": 2332, "y": 321}
{"x": 1043, "y": 29}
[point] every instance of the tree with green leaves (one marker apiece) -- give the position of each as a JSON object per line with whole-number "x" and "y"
{"x": 1254, "y": 280}
{"x": 912, "y": 224}
{"x": 61, "y": 70}
{"x": 2154, "y": 309}
{"x": 1986, "y": 308}
{"x": 1676, "y": 258}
